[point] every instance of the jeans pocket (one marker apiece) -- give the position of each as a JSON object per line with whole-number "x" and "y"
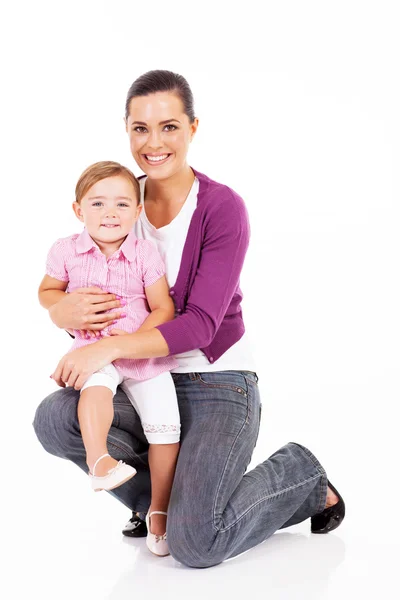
{"x": 233, "y": 381}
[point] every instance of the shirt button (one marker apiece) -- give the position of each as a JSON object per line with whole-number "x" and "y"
{"x": 172, "y": 293}
{"x": 179, "y": 310}
{"x": 211, "y": 359}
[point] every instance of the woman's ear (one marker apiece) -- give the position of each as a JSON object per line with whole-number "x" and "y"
{"x": 193, "y": 128}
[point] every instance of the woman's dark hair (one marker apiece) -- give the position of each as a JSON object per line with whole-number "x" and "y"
{"x": 162, "y": 81}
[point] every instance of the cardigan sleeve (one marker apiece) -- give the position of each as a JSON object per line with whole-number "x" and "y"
{"x": 224, "y": 245}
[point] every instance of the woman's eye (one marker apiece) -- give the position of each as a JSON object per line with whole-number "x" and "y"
{"x": 139, "y": 129}
{"x": 170, "y": 127}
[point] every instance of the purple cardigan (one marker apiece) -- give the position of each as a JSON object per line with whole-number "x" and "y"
{"x": 207, "y": 292}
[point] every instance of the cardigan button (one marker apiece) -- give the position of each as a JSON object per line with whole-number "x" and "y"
{"x": 172, "y": 293}
{"x": 179, "y": 310}
{"x": 211, "y": 359}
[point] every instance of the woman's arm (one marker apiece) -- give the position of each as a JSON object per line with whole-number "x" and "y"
{"x": 217, "y": 277}
{"x": 84, "y": 309}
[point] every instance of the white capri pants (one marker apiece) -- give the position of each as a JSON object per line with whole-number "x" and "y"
{"x": 154, "y": 400}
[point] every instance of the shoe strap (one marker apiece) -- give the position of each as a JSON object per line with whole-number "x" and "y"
{"x": 157, "y": 512}
{"x": 97, "y": 462}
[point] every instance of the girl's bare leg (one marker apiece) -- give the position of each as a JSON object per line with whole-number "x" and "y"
{"x": 162, "y": 462}
{"x": 95, "y": 415}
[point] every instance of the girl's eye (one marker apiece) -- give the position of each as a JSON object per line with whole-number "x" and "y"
{"x": 139, "y": 129}
{"x": 96, "y": 204}
{"x": 123, "y": 205}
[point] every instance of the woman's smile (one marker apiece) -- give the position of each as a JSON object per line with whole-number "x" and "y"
{"x": 156, "y": 159}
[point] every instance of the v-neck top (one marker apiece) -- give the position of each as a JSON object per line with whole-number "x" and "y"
{"x": 171, "y": 241}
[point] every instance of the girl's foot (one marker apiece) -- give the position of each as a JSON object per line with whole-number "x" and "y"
{"x": 104, "y": 465}
{"x": 156, "y": 542}
{"x": 115, "y": 476}
{"x": 158, "y": 523}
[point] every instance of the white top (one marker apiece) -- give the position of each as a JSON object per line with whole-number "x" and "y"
{"x": 170, "y": 241}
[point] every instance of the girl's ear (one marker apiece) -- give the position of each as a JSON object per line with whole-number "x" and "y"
{"x": 78, "y": 210}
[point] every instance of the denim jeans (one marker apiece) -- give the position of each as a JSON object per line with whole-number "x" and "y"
{"x": 217, "y": 510}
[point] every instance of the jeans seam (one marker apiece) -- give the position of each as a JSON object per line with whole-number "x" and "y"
{"x": 316, "y": 463}
{"x": 276, "y": 494}
{"x": 127, "y": 454}
{"x": 246, "y": 421}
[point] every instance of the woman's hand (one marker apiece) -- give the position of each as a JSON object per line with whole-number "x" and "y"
{"x": 77, "y": 366}
{"x": 118, "y": 332}
{"x": 84, "y": 309}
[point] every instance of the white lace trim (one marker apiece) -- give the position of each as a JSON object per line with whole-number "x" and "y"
{"x": 149, "y": 428}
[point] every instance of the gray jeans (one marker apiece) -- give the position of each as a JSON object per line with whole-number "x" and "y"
{"x": 217, "y": 510}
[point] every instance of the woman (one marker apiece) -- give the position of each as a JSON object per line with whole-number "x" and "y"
{"x": 201, "y": 229}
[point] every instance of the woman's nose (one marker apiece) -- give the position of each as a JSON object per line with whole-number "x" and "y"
{"x": 154, "y": 140}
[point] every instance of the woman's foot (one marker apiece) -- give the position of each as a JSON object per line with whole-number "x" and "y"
{"x": 331, "y": 498}
{"x": 332, "y": 515}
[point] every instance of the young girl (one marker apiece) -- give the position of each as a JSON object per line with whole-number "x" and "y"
{"x": 107, "y": 255}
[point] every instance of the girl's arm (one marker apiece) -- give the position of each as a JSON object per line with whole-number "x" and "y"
{"x": 83, "y": 309}
{"x": 51, "y": 290}
{"x": 217, "y": 277}
{"x": 160, "y": 303}
{"x": 224, "y": 247}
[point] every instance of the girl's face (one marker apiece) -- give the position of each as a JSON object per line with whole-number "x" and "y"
{"x": 159, "y": 134}
{"x": 109, "y": 209}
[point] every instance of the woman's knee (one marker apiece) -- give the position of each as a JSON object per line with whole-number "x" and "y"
{"x": 192, "y": 545}
{"x": 55, "y": 422}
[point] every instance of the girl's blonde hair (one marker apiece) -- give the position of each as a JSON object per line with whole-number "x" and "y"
{"x": 103, "y": 170}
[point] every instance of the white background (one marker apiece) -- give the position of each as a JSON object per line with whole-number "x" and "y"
{"x": 299, "y": 112}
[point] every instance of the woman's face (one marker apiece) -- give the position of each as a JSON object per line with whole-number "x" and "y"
{"x": 159, "y": 134}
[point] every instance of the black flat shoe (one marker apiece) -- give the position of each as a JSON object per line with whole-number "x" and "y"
{"x": 135, "y": 527}
{"x": 330, "y": 518}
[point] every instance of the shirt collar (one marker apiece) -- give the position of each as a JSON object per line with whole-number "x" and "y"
{"x": 84, "y": 243}
{"x": 128, "y": 247}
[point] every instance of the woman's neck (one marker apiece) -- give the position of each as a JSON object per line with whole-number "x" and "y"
{"x": 171, "y": 191}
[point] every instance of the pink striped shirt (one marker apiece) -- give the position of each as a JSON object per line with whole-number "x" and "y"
{"x": 136, "y": 265}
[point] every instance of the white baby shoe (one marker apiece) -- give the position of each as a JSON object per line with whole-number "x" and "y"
{"x": 157, "y": 544}
{"x": 115, "y": 476}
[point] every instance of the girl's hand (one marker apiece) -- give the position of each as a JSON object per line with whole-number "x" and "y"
{"x": 84, "y": 309}
{"x": 77, "y": 366}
